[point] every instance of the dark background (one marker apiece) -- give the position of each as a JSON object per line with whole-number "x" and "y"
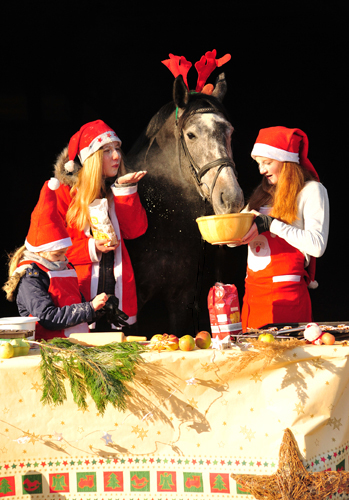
{"x": 67, "y": 64}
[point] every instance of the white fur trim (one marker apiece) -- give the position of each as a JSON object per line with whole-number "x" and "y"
{"x": 267, "y": 151}
{"x": 313, "y": 284}
{"x": 94, "y": 256}
{"x": 312, "y": 332}
{"x": 53, "y": 183}
{"x": 49, "y": 247}
{"x": 124, "y": 191}
{"x": 97, "y": 143}
{"x": 69, "y": 166}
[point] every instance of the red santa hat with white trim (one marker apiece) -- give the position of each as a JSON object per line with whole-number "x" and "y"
{"x": 47, "y": 231}
{"x": 285, "y": 145}
{"x": 91, "y": 137}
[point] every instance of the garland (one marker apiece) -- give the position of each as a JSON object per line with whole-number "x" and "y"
{"x": 100, "y": 372}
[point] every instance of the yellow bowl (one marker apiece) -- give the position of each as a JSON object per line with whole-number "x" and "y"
{"x": 225, "y": 228}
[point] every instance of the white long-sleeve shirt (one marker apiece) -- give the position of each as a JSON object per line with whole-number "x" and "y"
{"x": 309, "y": 232}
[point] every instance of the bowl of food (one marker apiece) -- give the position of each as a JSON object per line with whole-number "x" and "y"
{"x": 225, "y": 228}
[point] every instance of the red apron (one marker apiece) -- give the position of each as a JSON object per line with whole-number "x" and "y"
{"x": 64, "y": 291}
{"x": 275, "y": 286}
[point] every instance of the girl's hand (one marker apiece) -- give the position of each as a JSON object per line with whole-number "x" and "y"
{"x": 132, "y": 177}
{"x": 99, "y": 301}
{"x": 101, "y": 246}
{"x": 250, "y": 235}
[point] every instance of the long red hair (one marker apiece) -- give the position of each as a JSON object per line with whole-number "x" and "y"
{"x": 282, "y": 197}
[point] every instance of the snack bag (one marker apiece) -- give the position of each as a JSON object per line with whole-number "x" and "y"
{"x": 224, "y": 310}
{"x": 101, "y": 226}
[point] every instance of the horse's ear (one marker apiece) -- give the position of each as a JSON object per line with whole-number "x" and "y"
{"x": 180, "y": 92}
{"x": 221, "y": 87}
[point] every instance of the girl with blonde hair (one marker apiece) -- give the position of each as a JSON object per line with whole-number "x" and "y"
{"x": 99, "y": 176}
{"x": 289, "y": 232}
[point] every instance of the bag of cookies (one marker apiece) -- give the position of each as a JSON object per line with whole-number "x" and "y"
{"x": 101, "y": 226}
{"x": 224, "y": 310}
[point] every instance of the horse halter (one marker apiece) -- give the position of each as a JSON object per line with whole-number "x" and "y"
{"x": 194, "y": 168}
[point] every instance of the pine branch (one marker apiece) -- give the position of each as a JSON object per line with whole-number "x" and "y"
{"x": 100, "y": 372}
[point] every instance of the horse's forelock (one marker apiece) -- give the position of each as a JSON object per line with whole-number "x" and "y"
{"x": 199, "y": 101}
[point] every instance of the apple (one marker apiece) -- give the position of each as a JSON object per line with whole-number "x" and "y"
{"x": 156, "y": 338}
{"x": 173, "y": 342}
{"x": 328, "y": 338}
{"x": 203, "y": 340}
{"x": 6, "y": 350}
{"x": 266, "y": 337}
{"x": 186, "y": 343}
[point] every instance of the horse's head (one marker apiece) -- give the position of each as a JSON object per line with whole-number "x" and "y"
{"x": 203, "y": 134}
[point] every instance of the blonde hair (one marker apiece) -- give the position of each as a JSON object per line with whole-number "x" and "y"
{"x": 90, "y": 185}
{"x": 282, "y": 197}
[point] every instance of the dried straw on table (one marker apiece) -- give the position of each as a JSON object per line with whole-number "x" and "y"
{"x": 261, "y": 351}
{"x": 292, "y": 481}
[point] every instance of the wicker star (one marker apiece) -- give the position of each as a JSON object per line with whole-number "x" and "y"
{"x": 292, "y": 481}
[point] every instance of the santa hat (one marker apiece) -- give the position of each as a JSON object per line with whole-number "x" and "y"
{"x": 285, "y": 145}
{"x": 47, "y": 231}
{"x": 89, "y": 139}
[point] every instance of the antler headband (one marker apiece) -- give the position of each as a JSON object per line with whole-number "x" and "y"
{"x": 178, "y": 65}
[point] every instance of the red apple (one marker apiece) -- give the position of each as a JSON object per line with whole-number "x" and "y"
{"x": 203, "y": 340}
{"x": 173, "y": 342}
{"x": 328, "y": 338}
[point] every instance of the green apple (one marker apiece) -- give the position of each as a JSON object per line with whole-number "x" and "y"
{"x": 266, "y": 337}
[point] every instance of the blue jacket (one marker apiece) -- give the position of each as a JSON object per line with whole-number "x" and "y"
{"x": 34, "y": 299}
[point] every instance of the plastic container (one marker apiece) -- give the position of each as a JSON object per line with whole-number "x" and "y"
{"x": 18, "y": 323}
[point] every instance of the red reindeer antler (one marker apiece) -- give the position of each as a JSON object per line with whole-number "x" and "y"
{"x": 178, "y": 65}
{"x": 206, "y": 65}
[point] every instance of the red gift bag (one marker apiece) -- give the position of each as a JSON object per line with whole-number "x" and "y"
{"x": 224, "y": 310}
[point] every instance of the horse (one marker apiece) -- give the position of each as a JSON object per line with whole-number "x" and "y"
{"x": 186, "y": 150}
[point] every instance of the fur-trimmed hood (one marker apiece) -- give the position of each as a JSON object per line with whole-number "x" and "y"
{"x": 10, "y": 287}
{"x": 65, "y": 177}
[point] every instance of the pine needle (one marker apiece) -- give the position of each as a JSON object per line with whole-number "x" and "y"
{"x": 99, "y": 372}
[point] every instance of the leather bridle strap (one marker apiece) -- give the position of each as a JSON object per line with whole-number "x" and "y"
{"x": 198, "y": 172}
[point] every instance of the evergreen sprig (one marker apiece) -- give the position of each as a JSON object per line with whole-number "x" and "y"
{"x": 99, "y": 371}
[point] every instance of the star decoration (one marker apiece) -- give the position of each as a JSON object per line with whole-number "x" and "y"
{"x": 107, "y": 438}
{"x": 256, "y": 377}
{"x": 292, "y": 480}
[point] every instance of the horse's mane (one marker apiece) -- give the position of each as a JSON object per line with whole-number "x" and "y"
{"x": 153, "y": 127}
{"x": 196, "y": 101}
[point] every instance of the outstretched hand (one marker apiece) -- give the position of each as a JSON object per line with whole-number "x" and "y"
{"x": 132, "y": 177}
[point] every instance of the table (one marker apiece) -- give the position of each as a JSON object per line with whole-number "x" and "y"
{"x": 190, "y": 423}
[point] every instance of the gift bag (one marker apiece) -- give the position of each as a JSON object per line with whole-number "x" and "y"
{"x": 101, "y": 226}
{"x": 224, "y": 310}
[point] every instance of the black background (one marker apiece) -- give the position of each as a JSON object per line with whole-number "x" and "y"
{"x": 67, "y": 64}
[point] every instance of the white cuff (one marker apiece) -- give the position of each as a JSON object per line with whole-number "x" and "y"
{"x": 93, "y": 250}
{"x": 124, "y": 191}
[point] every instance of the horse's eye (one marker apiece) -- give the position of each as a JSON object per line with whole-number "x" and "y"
{"x": 190, "y": 135}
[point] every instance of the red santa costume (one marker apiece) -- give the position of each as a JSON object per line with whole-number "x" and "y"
{"x": 50, "y": 290}
{"x": 126, "y": 214}
{"x": 276, "y": 281}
